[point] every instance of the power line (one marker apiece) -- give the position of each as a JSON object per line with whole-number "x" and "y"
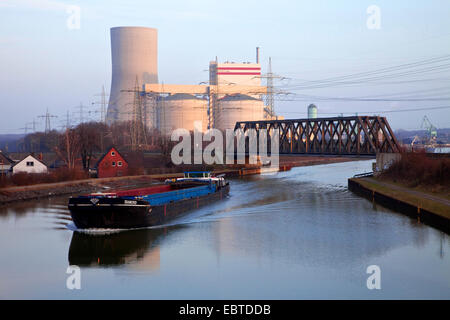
{"x": 302, "y": 97}
{"x": 439, "y": 68}
{"x": 378, "y": 71}
{"x": 47, "y": 117}
{"x": 367, "y": 83}
{"x": 33, "y": 123}
{"x": 411, "y": 93}
{"x": 383, "y": 111}
{"x": 102, "y": 104}
{"x": 81, "y": 108}
{"x": 26, "y": 128}
{"x": 270, "y": 96}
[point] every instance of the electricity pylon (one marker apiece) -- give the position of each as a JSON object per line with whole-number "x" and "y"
{"x": 138, "y": 127}
{"x": 102, "y": 104}
{"x": 270, "y": 96}
{"x": 47, "y": 117}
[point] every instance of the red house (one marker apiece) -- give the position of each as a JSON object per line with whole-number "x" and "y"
{"x": 112, "y": 164}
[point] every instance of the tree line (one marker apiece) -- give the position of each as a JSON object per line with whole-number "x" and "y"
{"x": 87, "y": 139}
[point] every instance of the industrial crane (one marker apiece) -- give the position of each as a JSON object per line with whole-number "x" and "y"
{"x": 431, "y": 129}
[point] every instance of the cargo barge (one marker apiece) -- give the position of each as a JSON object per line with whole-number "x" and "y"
{"x": 145, "y": 207}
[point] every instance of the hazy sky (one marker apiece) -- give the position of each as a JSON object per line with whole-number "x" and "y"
{"x": 46, "y": 64}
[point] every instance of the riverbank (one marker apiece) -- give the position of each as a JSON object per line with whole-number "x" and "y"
{"x": 308, "y": 160}
{"x": 45, "y": 190}
{"x": 427, "y": 208}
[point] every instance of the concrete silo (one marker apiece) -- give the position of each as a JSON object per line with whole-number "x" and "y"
{"x": 134, "y": 56}
{"x": 237, "y": 107}
{"x": 184, "y": 111}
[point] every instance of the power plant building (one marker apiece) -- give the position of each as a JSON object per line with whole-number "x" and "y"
{"x": 227, "y": 109}
{"x": 230, "y": 73}
{"x": 234, "y": 92}
{"x": 237, "y": 107}
{"x": 182, "y": 110}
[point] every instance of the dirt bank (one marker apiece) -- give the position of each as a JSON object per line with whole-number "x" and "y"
{"x": 13, "y": 194}
{"x": 21, "y": 193}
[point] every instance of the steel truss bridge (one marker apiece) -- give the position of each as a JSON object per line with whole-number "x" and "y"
{"x": 356, "y": 135}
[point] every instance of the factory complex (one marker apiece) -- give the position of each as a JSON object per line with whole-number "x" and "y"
{"x": 234, "y": 91}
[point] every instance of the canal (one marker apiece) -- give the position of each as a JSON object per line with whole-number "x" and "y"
{"x": 291, "y": 235}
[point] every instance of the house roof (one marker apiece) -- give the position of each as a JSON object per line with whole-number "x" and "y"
{"x": 5, "y": 159}
{"x": 50, "y": 159}
{"x": 29, "y": 155}
{"x": 104, "y": 155}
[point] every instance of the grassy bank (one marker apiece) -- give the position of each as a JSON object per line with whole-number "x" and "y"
{"x": 436, "y": 204}
{"x": 419, "y": 170}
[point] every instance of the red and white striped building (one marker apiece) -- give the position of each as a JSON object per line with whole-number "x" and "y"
{"x": 227, "y": 109}
{"x": 230, "y": 73}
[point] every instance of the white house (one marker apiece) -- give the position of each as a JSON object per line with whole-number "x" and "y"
{"x": 30, "y": 165}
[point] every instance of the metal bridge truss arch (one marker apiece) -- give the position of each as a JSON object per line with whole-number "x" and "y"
{"x": 357, "y": 135}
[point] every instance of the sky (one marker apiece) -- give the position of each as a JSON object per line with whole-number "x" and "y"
{"x": 335, "y": 54}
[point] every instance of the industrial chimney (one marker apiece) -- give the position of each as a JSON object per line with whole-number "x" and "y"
{"x": 134, "y": 54}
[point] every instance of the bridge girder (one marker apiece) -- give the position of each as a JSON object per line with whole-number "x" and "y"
{"x": 357, "y": 135}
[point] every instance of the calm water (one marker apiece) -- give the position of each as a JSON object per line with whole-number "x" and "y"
{"x": 290, "y": 235}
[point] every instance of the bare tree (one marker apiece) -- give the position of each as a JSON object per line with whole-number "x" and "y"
{"x": 90, "y": 137}
{"x": 68, "y": 148}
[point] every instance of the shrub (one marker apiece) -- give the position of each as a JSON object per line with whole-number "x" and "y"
{"x": 57, "y": 175}
{"x": 417, "y": 168}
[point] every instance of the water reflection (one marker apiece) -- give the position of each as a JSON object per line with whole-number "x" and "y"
{"x": 280, "y": 217}
{"x": 303, "y": 224}
{"x": 24, "y": 208}
{"x": 297, "y": 234}
{"x": 128, "y": 247}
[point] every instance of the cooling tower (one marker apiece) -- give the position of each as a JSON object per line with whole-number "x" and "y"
{"x": 182, "y": 111}
{"x": 134, "y": 56}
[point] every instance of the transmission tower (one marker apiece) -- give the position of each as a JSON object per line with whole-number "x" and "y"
{"x": 67, "y": 125}
{"x": 138, "y": 130}
{"x": 26, "y": 128}
{"x": 270, "y": 103}
{"x": 81, "y": 108}
{"x": 270, "y": 96}
{"x": 102, "y": 104}
{"x": 47, "y": 117}
{"x": 33, "y": 124}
